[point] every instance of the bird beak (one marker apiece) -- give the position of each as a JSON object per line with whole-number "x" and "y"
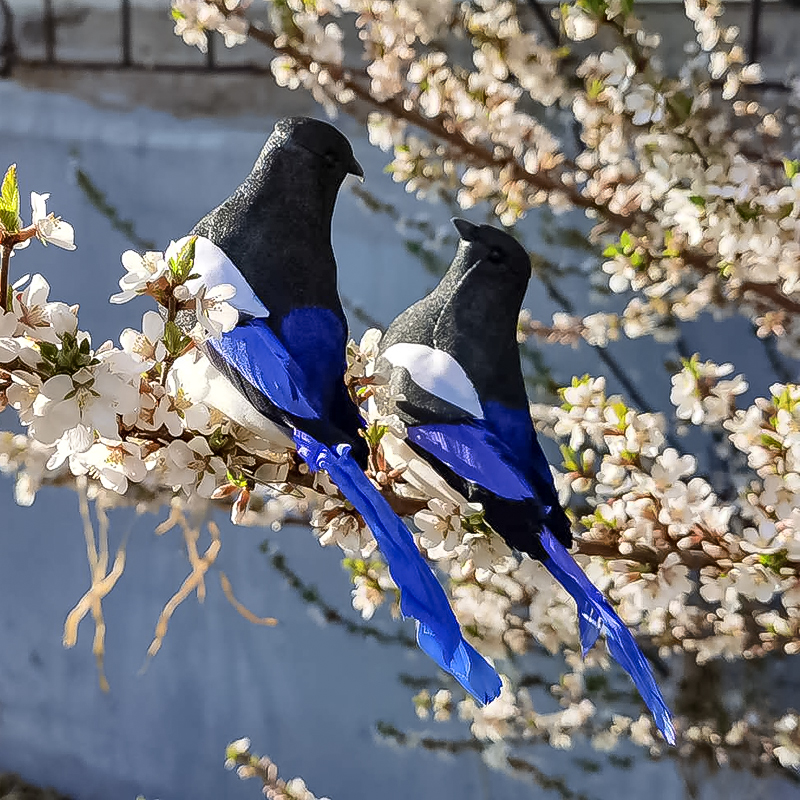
{"x": 467, "y": 230}
{"x": 356, "y": 169}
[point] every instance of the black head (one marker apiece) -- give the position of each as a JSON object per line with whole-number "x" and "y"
{"x": 319, "y": 139}
{"x": 494, "y": 248}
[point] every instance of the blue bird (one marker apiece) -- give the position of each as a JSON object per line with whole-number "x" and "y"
{"x": 458, "y": 386}
{"x": 283, "y": 364}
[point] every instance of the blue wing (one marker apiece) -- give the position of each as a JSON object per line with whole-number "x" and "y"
{"x": 474, "y": 453}
{"x": 514, "y": 428}
{"x": 255, "y": 353}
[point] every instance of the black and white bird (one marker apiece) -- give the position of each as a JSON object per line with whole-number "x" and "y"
{"x": 282, "y": 366}
{"x": 456, "y": 377}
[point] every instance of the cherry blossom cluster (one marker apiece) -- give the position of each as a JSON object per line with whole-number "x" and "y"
{"x": 135, "y": 422}
{"x": 132, "y": 414}
{"x": 238, "y": 757}
{"x": 194, "y": 20}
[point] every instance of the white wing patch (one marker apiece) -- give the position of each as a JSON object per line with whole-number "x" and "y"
{"x": 214, "y": 268}
{"x": 438, "y": 373}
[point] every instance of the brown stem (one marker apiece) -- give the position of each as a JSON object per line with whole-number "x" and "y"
{"x": 4, "y": 263}
{"x": 7, "y": 242}
{"x": 166, "y": 366}
{"x": 642, "y": 555}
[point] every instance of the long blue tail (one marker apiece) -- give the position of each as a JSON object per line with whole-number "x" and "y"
{"x": 421, "y": 595}
{"x": 594, "y": 614}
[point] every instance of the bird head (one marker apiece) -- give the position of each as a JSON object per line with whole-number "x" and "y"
{"x": 326, "y": 145}
{"x": 493, "y": 249}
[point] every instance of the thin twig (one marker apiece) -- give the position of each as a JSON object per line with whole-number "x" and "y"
{"x": 227, "y": 590}
{"x": 310, "y": 595}
{"x": 546, "y": 21}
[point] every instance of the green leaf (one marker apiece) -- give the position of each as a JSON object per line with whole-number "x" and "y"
{"x": 569, "y": 457}
{"x": 235, "y": 477}
{"x": 669, "y": 250}
{"x": 49, "y": 351}
{"x": 682, "y": 105}
{"x": 747, "y": 212}
{"x": 784, "y": 399}
{"x": 595, "y": 88}
{"x": 621, "y": 410}
{"x": 9, "y": 192}
{"x": 356, "y": 567}
{"x": 182, "y": 265}
{"x": 374, "y": 433}
{"x": 611, "y": 251}
{"x": 9, "y": 220}
{"x": 774, "y": 561}
{"x": 596, "y": 8}
{"x": 770, "y": 442}
{"x": 174, "y": 339}
{"x": 218, "y": 440}
{"x": 697, "y": 200}
{"x": 476, "y": 523}
{"x": 692, "y": 364}
{"x": 791, "y": 167}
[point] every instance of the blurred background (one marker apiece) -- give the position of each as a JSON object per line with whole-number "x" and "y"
{"x": 136, "y": 136}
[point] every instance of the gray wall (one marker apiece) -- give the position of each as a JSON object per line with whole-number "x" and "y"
{"x": 309, "y": 695}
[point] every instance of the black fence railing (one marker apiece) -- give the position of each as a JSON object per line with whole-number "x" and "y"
{"x": 11, "y": 55}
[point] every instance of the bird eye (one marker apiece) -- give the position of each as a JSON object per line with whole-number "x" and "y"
{"x": 331, "y": 158}
{"x": 495, "y": 255}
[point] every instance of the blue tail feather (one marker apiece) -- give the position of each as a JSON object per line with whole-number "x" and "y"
{"x": 596, "y": 613}
{"x": 421, "y": 595}
{"x": 465, "y": 664}
{"x": 589, "y": 625}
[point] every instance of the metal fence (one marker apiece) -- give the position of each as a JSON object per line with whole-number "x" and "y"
{"x": 11, "y": 56}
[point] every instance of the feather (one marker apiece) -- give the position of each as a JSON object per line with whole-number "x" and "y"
{"x": 421, "y": 595}
{"x": 596, "y": 614}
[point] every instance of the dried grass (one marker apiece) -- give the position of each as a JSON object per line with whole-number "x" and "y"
{"x": 102, "y": 582}
{"x": 104, "y": 579}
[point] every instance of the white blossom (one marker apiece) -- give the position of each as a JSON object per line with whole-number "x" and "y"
{"x": 214, "y": 313}
{"x": 193, "y": 466}
{"x": 140, "y": 271}
{"x": 49, "y": 228}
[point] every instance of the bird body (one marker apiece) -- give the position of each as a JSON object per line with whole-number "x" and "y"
{"x": 284, "y": 361}
{"x": 457, "y": 383}
{"x": 470, "y": 320}
{"x": 274, "y": 232}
